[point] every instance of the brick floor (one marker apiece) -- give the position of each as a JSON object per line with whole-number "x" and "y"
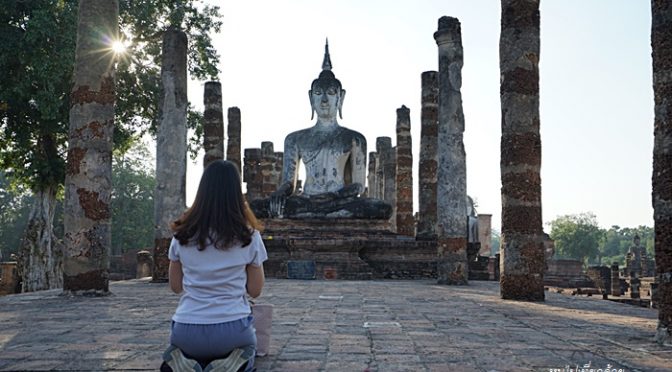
{"x": 410, "y": 326}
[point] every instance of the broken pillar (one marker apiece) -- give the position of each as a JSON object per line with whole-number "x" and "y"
{"x": 615, "y": 280}
{"x": 171, "y": 147}
{"x": 371, "y": 177}
{"x": 404, "y": 174}
{"x": 383, "y": 147}
{"x": 427, "y": 167}
{"x": 452, "y": 173}
{"x": 271, "y": 169}
{"x": 233, "y": 146}
{"x": 252, "y": 175}
{"x": 213, "y": 123}
{"x": 522, "y": 247}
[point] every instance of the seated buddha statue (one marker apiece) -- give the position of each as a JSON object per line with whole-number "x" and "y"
{"x": 334, "y": 159}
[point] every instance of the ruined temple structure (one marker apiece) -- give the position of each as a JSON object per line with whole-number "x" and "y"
{"x": 332, "y": 226}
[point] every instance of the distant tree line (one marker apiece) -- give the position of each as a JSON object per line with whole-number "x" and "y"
{"x": 578, "y": 236}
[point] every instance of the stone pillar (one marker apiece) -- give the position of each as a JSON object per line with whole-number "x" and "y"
{"x": 427, "y": 173}
{"x": 404, "y": 174}
{"x": 144, "y": 264}
{"x": 615, "y": 280}
{"x": 485, "y": 234}
{"x": 452, "y": 173}
{"x": 271, "y": 169}
{"x": 233, "y": 148}
{"x": 88, "y": 178}
{"x": 522, "y": 245}
{"x": 252, "y": 174}
{"x": 171, "y": 147}
{"x": 383, "y": 146}
{"x": 661, "y": 34}
{"x": 213, "y": 123}
{"x": 371, "y": 177}
{"x": 635, "y": 283}
{"x": 9, "y": 278}
{"x": 389, "y": 164}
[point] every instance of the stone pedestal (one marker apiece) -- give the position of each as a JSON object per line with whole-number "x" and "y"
{"x": 347, "y": 249}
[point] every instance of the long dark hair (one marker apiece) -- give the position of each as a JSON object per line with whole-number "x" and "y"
{"x": 220, "y": 215}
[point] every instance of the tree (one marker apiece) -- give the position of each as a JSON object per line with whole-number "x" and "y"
{"x": 495, "y": 240}
{"x": 133, "y": 185}
{"x": 577, "y": 236}
{"x": 37, "y": 46}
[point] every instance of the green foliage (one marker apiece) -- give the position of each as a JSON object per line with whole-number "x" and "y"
{"x": 133, "y": 182}
{"x": 577, "y": 236}
{"x": 496, "y": 240}
{"x": 138, "y": 71}
{"x": 619, "y": 240}
{"x": 37, "y": 51}
{"x": 37, "y": 45}
{"x": 15, "y": 204}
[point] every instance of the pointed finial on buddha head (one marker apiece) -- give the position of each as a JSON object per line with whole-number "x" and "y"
{"x": 326, "y": 63}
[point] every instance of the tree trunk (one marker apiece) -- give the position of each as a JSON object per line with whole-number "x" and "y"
{"x": 40, "y": 257}
{"x": 661, "y": 44}
{"x": 171, "y": 147}
{"x": 88, "y": 181}
{"x": 523, "y": 262}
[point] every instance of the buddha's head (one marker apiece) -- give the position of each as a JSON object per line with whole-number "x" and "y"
{"x": 326, "y": 93}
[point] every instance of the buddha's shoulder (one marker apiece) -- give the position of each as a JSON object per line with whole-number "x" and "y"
{"x": 298, "y": 134}
{"x": 347, "y": 132}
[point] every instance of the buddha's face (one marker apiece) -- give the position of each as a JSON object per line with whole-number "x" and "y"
{"x": 325, "y": 100}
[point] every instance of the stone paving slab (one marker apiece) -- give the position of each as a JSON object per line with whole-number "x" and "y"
{"x": 320, "y": 326}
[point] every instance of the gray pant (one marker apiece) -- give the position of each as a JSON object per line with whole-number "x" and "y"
{"x": 214, "y": 341}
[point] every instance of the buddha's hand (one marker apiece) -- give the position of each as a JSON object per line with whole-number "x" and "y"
{"x": 277, "y": 200}
{"x": 352, "y": 189}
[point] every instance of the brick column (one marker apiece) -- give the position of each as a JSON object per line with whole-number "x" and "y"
{"x": 271, "y": 169}
{"x": 213, "y": 123}
{"x": 523, "y": 261}
{"x": 428, "y": 156}
{"x": 233, "y": 148}
{"x": 383, "y": 146}
{"x": 615, "y": 280}
{"x": 252, "y": 174}
{"x": 404, "y": 174}
{"x": 371, "y": 177}
{"x": 452, "y": 173}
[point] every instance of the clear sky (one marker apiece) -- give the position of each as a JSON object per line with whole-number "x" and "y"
{"x": 595, "y": 87}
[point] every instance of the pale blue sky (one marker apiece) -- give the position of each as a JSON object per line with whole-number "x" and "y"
{"x": 595, "y": 87}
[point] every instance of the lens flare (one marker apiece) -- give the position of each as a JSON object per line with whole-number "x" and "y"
{"x": 118, "y": 47}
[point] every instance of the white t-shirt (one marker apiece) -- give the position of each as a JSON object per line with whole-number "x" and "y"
{"x": 214, "y": 280}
